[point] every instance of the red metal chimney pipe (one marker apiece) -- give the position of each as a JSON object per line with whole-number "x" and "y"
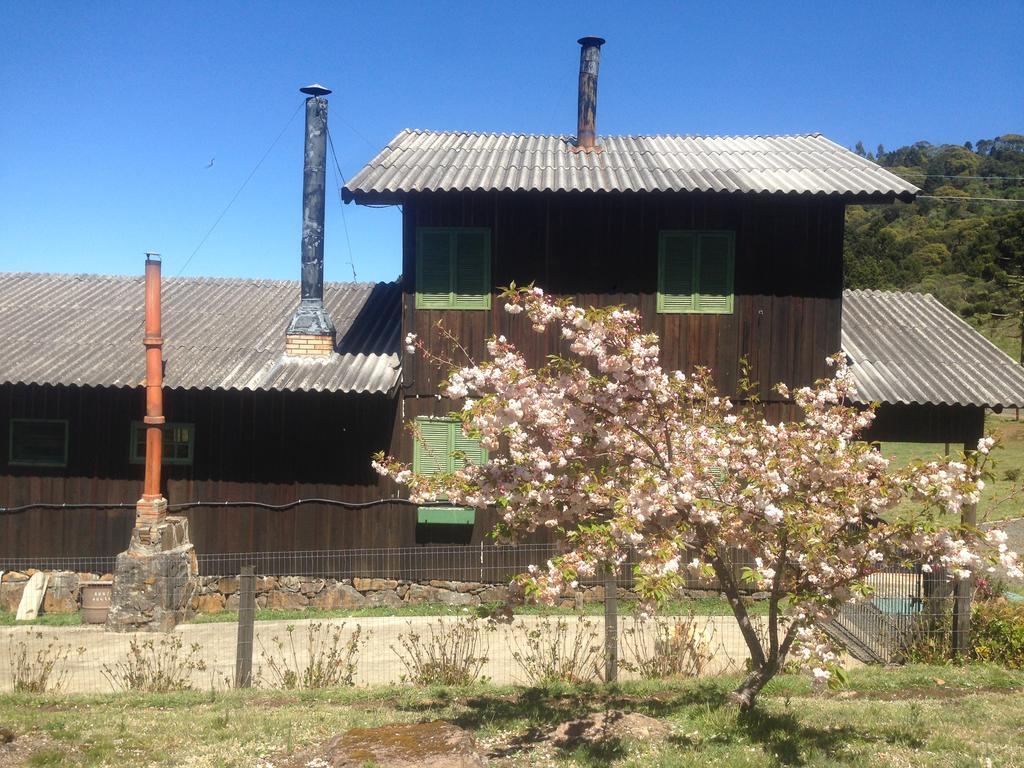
{"x": 586, "y": 121}
{"x": 154, "y": 419}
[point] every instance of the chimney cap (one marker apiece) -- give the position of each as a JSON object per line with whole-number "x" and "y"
{"x": 588, "y": 41}
{"x": 315, "y": 90}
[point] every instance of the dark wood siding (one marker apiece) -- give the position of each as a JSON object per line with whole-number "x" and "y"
{"x": 269, "y": 447}
{"x": 602, "y": 250}
{"x": 958, "y": 425}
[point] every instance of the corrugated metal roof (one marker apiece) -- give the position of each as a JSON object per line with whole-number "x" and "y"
{"x": 225, "y": 333}
{"x": 908, "y": 348}
{"x": 220, "y": 333}
{"x": 422, "y": 161}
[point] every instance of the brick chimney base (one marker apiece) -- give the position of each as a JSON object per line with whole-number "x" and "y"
{"x": 303, "y": 345}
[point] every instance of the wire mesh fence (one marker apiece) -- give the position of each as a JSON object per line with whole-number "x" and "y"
{"x": 370, "y": 617}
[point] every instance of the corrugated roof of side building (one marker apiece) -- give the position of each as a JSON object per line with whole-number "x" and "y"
{"x": 443, "y": 161}
{"x": 908, "y": 348}
{"x": 220, "y": 333}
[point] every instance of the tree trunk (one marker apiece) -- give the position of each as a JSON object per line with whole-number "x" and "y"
{"x": 745, "y": 694}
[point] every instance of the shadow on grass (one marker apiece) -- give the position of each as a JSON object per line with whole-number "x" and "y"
{"x": 547, "y": 706}
{"x": 789, "y": 741}
{"x": 783, "y": 738}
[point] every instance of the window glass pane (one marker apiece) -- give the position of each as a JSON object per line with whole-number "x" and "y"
{"x": 38, "y": 442}
{"x": 177, "y": 443}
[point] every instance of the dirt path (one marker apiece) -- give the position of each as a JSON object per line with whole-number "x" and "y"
{"x": 92, "y": 653}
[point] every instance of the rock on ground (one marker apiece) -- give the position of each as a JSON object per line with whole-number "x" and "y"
{"x": 435, "y": 744}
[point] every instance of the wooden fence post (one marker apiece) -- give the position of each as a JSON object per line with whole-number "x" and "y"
{"x": 611, "y": 628}
{"x": 246, "y": 619}
{"x": 964, "y": 588}
{"x": 962, "y": 593}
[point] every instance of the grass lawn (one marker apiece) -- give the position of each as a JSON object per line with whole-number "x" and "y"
{"x": 998, "y": 501}
{"x": 8, "y": 619}
{"x": 914, "y": 716}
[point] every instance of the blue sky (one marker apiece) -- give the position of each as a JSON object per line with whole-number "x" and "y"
{"x": 111, "y": 112}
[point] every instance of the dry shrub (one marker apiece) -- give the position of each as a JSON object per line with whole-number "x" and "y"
{"x": 450, "y": 653}
{"x": 156, "y": 666}
{"x": 330, "y": 658}
{"x": 40, "y": 672}
{"x": 558, "y": 649}
{"x": 678, "y": 646}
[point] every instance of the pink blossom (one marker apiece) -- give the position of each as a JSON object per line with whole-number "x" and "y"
{"x": 617, "y": 456}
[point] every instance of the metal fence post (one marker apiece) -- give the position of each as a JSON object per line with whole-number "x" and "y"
{"x": 246, "y": 618}
{"x": 611, "y": 628}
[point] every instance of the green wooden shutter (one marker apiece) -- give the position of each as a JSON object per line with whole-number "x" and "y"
{"x": 468, "y": 451}
{"x": 434, "y": 269}
{"x": 717, "y": 475}
{"x": 676, "y": 272}
{"x": 472, "y": 270}
{"x": 432, "y": 453}
{"x": 714, "y": 273}
{"x": 432, "y": 450}
{"x": 474, "y": 452}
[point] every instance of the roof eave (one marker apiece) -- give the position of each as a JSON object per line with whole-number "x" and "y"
{"x": 360, "y": 197}
{"x": 398, "y": 197}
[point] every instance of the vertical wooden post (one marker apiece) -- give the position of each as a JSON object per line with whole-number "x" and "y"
{"x": 246, "y": 619}
{"x": 964, "y": 588}
{"x": 611, "y": 628}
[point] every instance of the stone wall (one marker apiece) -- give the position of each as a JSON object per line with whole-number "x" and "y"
{"x": 214, "y": 593}
{"x": 63, "y": 593}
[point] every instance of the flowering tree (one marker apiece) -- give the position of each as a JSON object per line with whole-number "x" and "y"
{"x": 617, "y": 455}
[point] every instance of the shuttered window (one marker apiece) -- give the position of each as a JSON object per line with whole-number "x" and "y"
{"x": 695, "y": 272}
{"x": 453, "y": 268}
{"x": 442, "y": 447}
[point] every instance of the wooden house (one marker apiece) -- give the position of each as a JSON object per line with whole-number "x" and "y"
{"x": 730, "y": 247}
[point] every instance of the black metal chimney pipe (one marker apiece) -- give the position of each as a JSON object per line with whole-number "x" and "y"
{"x": 311, "y": 318}
{"x": 590, "y": 62}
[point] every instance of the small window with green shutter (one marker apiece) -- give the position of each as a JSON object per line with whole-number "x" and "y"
{"x": 453, "y": 268}
{"x": 695, "y": 272}
{"x": 441, "y": 446}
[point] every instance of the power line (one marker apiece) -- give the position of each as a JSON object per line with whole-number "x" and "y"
{"x": 943, "y": 176}
{"x": 973, "y": 199}
{"x": 352, "y": 505}
{"x": 341, "y": 201}
{"x": 240, "y": 189}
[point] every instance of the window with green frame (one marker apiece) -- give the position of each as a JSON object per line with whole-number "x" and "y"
{"x": 695, "y": 272}
{"x": 38, "y": 443}
{"x": 179, "y": 443}
{"x": 439, "y": 447}
{"x": 453, "y": 268}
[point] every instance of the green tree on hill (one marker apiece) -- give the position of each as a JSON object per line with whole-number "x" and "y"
{"x": 968, "y": 252}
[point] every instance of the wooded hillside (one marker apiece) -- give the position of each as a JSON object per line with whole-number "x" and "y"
{"x": 969, "y": 253}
